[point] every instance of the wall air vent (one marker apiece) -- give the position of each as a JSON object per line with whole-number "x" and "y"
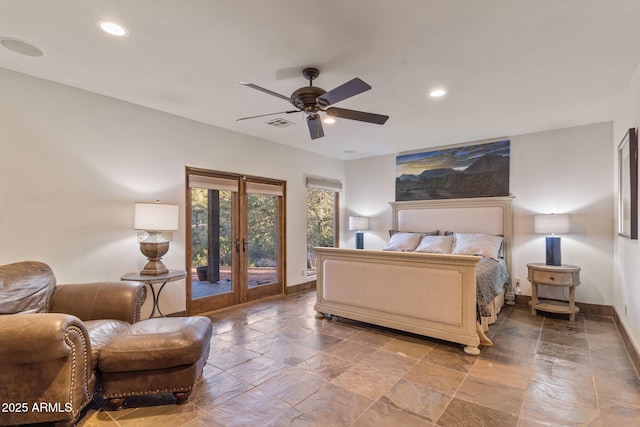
{"x": 280, "y": 123}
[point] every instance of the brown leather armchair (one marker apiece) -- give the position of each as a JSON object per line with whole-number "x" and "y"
{"x": 50, "y": 340}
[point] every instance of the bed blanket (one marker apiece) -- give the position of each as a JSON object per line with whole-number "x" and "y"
{"x": 491, "y": 278}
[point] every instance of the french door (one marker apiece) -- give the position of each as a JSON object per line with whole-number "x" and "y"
{"x": 235, "y": 239}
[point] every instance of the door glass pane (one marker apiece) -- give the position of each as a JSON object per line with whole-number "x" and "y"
{"x": 211, "y": 242}
{"x": 262, "y": 256}
{"x": 321, "y": 224}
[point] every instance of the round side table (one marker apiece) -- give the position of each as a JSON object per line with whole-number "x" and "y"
{"x": 171, "y": 276}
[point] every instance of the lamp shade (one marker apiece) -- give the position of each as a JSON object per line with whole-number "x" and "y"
{"x": 359, "y": 223}
{"x": 552, "y": 224}
{"x": 156, "y": 217}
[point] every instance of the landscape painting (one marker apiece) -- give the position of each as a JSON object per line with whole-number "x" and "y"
{"x": 480, "y": 170}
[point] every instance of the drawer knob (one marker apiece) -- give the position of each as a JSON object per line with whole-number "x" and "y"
{"x": 552, "y": 278}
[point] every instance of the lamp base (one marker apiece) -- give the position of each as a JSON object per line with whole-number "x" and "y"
{"x": 553, "y": 251}
{"x": 154, "y": 251}
{"x": 154, "y": 268}
{"x": 359, "y": 240}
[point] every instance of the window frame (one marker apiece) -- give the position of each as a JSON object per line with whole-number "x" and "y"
{"x": 323, "y": 184}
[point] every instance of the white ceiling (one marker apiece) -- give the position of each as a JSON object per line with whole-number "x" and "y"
{"x": 509, "y": 66}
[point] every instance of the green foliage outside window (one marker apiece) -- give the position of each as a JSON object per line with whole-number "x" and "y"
{"x": 263, "y": 230}
{"x": 320, "y": 223}
{"x": 262, "y": 223}
{"x": 200, "y": 227}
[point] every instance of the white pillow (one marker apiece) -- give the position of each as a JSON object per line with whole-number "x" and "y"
{"x": 435, "y": 244}
{"x": 403, "y": 242}
{"x": 484, "y": 245}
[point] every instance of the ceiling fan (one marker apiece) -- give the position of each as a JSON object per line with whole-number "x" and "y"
{"x": 312, "y": 99}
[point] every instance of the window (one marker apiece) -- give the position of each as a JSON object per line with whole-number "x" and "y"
{"x": 322, "y": 217}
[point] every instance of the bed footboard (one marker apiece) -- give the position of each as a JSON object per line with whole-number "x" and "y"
{"x": 426, "y": 294}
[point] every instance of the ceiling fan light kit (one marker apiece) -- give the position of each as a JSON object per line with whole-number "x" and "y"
{"x": 312, "y": 99}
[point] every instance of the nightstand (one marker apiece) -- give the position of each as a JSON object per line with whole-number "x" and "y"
{"x": 554, "y": 275}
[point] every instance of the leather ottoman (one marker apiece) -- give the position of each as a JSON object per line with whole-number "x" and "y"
{"x": 159, "y": 355}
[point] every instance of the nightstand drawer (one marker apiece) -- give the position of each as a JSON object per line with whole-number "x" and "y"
{"x": 553, "y": 278}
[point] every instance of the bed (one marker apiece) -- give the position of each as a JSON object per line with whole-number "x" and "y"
{"x": 430, "y": 294}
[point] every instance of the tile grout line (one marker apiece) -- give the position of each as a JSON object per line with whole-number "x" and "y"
{"x": 593, "y": 374}
{"x": 531, "y": 368}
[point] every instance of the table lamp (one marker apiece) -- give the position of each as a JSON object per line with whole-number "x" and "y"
{"x": 154, "y": 218}
{"x": 360, "y": 224}
{"x": 552, "y": 224}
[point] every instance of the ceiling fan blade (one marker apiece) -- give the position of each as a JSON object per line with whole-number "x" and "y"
{"x": 270, "y": 92}
{"x": 315, "y": 126}
{"x": 343, "y": 113}
{"x": 347, "y": 90}
{"x": 269, "y": 114}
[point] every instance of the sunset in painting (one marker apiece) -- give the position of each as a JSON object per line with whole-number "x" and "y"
{"x": 480, "y": 170}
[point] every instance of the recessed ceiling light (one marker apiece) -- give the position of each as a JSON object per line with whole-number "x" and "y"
{"x": 437, "y": 93}
{"x": 21, "y": 47}
{"x": 113, "y": 28}
{"x": 329, "y": 120}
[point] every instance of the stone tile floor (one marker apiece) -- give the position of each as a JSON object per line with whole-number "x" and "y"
{"x": 274, "y": 364}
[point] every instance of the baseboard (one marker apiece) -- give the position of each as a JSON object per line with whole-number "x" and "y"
{"x": 585, "y": 308}
{"x": 601, "y": 310}
{"x": 631, "y": 348}
{"x": 288, "y": 290}
{"x": 595, "y": 309}
{"x": 182, "y": 313}
{"x": 301, "y": 287}
{"x": 177, "y": 314}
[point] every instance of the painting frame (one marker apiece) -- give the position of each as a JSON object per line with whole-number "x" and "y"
{"x": 628, "y": 185}
{"x": 469, "y": 170}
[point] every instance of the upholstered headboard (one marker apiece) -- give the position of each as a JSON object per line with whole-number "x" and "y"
{"x": 489, "y": 215}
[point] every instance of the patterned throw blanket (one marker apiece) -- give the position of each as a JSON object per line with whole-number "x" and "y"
{"x": 491, "y": 278}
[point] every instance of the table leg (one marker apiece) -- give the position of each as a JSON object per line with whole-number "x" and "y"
{"x": 572, "y": 303}
{"x": 534, "y": 297}
{"x": 157, "y": 302}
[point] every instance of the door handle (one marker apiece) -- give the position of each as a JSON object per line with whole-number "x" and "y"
{"x": 244, "y": 245}
{"x": 237, "y": 246}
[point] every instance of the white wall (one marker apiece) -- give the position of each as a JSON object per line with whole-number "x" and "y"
{"x": 73, "y": 163}
{"x": 566, "y": 171}
{"x": 626, "y": 288}
{"x": 370, "y": 188}
{"x": 560, "y": 171}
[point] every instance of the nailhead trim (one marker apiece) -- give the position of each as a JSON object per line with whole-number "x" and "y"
{"x": 140, "y": 297}
{"x": 74, "y": 362}
{"x": 144, "y": 393}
